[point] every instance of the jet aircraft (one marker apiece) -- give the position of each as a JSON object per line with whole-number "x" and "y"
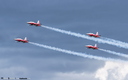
{"x": 34, "y": 23}
{"x": 94, "y": 35}
{"x": 21, "y": 40}
{"x": 92, "y": 47}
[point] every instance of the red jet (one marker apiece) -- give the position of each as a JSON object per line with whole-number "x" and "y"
{"x": 94, "y": 35}
{"x": 92, "y": 47}
{"x": 22, "y": 40}
{"x": 34, "y": 23}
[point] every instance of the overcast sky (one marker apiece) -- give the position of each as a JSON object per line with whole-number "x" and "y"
{"x": 108, "y": 17}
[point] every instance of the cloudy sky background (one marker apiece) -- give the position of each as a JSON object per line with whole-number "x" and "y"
{"x": 108, "y": 17}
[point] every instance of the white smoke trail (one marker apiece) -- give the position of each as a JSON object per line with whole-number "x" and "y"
{"x": 76, "y": 53}
{"x": 115, "y": 41}
{"x": 115, "y": 53}
{"x": 100, "y": 40}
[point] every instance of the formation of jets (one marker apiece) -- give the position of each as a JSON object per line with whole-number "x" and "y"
{"x": 93, "y": 35}
{"x": 38, "y": 24}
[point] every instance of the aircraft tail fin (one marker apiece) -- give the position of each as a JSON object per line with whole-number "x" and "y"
{"x": 25, "y": 38}
{"x": 38, "y": 22}
{"x": 95, "y": 45}
{"x": 96, "y": 33}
